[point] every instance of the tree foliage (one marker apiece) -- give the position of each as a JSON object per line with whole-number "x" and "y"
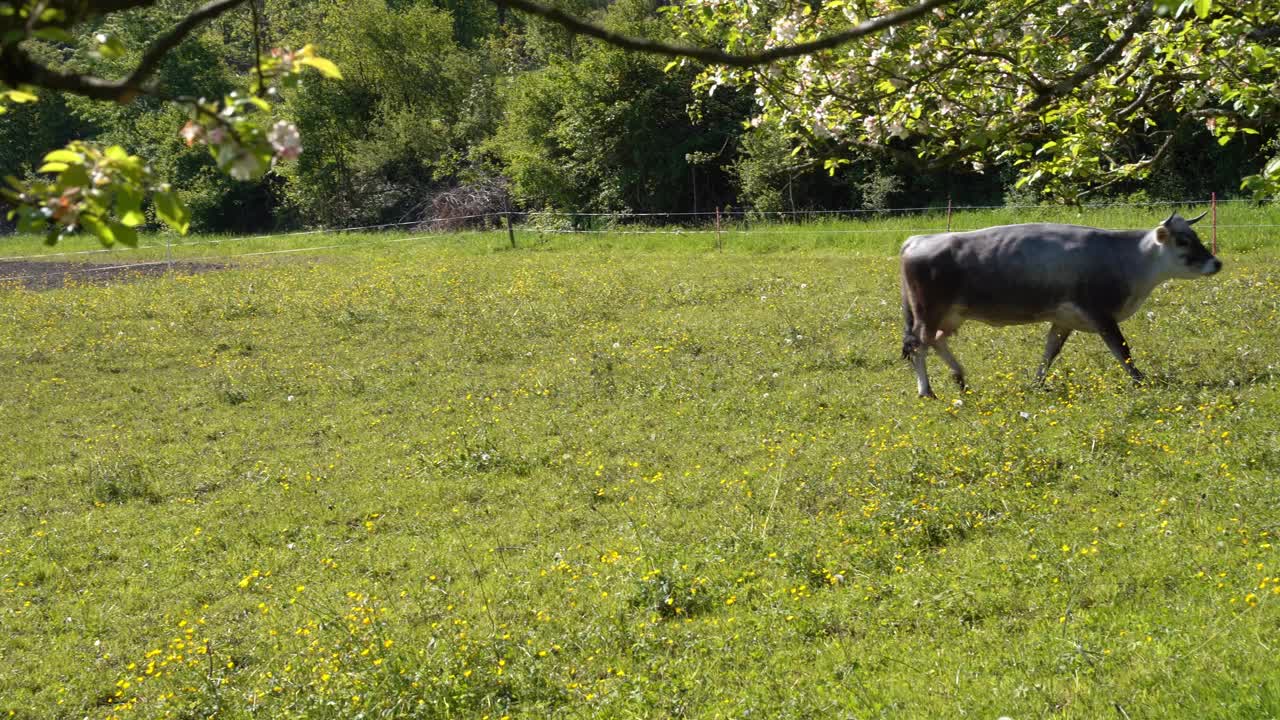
{"x": 102, "y": 190}
{"x": 220, "y": 107}
{"x": 612, "y": 131}
{"x": 405, "y": 121}
{"x": 1075, "y": 97}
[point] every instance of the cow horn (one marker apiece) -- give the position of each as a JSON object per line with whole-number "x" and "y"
{"x": 1169, "y": 219}
{"x": 1197, "y": 218}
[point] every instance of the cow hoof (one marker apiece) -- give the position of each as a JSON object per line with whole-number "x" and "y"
{"x": 929, "y": 395}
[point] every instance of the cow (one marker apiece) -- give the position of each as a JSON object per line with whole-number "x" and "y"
{"x": 1071, "y": 276}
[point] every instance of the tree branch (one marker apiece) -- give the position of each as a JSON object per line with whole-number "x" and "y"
{"x": 1093, "y": 67}
{"x": 1138, "y": 101}
{"x": 17, "y": 68}
{"x": 105, "y": 7}
{"x": 1148, "y": 162}
{"x": 716, "y": 56}
{"x": 161, "y": 47}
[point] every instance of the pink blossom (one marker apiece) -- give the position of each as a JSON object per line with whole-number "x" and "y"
{"x": 191, "y": 132}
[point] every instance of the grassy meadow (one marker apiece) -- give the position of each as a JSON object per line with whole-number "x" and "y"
{"x": 628, "y": 476}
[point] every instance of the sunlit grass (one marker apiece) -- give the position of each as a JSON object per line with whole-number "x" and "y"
{"x": 628, "y": 476}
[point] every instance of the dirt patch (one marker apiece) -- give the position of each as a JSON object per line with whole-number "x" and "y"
{"x": 50, "y": 275}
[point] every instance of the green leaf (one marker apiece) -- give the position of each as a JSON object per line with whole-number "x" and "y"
{"x": 53, "y": 167}
{"x": 172, "y": 212}
{"x": 1202, "y": 8}
{"x": 30, "y": 221}
{"x": 20, "y": 96}
{"x": 74, "y": 176}
{"x": 124, "y": 234}
{"x": 109, "y": 46}
{"x": 129, "y": 206}
{"x": 326, "y": 67}
{"x": 66, "y": 156}
{"x": 103, "y": 231}
{"x": 54, "y": 34}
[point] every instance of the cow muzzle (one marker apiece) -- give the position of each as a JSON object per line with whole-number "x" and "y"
{"x": 1211, "y": 266}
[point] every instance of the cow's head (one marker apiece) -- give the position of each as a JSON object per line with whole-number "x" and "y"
{"x": 1190, "y": 258}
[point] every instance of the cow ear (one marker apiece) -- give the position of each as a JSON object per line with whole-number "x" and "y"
{"x": 1163, "y": 236}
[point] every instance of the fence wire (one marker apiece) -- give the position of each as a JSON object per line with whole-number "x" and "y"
{"x": 723, "y": 222}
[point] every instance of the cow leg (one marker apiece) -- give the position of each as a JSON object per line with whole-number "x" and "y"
{"x": 922, "y": 373}
{"x": 944, "y": 351}
{"x": 915, "y": 345}
{"x": 1052, "y": 346}
{"x": 1119, "y": 347}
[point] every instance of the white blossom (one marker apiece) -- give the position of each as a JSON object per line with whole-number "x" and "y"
{"x": 785, "y": 29}
{"x": 285, "y": 140}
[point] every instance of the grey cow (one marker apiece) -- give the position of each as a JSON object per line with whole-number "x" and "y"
{"x": 1073, "y": 277}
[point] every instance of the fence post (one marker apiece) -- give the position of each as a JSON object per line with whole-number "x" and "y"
{"x": 1213, "y": 205}
{"x": 948, "y": 213}
{"x": 511, "y": 232}
{"x": 719, "y": 242}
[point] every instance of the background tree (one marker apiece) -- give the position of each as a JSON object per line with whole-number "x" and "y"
{"x": 612, "y": 131}
{"x": 407, "y": 120}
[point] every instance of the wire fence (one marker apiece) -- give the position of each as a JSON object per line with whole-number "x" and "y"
{"x": 722, "y": 223}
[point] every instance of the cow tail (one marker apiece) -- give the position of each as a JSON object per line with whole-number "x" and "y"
{"x": 910, "y": 340}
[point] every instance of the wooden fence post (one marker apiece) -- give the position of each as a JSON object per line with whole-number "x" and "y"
{"x": 1213, "y": 205}
{"x": 719, "y": 242}
{"x": 511, "y": 232}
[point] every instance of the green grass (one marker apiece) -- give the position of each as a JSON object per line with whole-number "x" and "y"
{"x": 626, "y": 476}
